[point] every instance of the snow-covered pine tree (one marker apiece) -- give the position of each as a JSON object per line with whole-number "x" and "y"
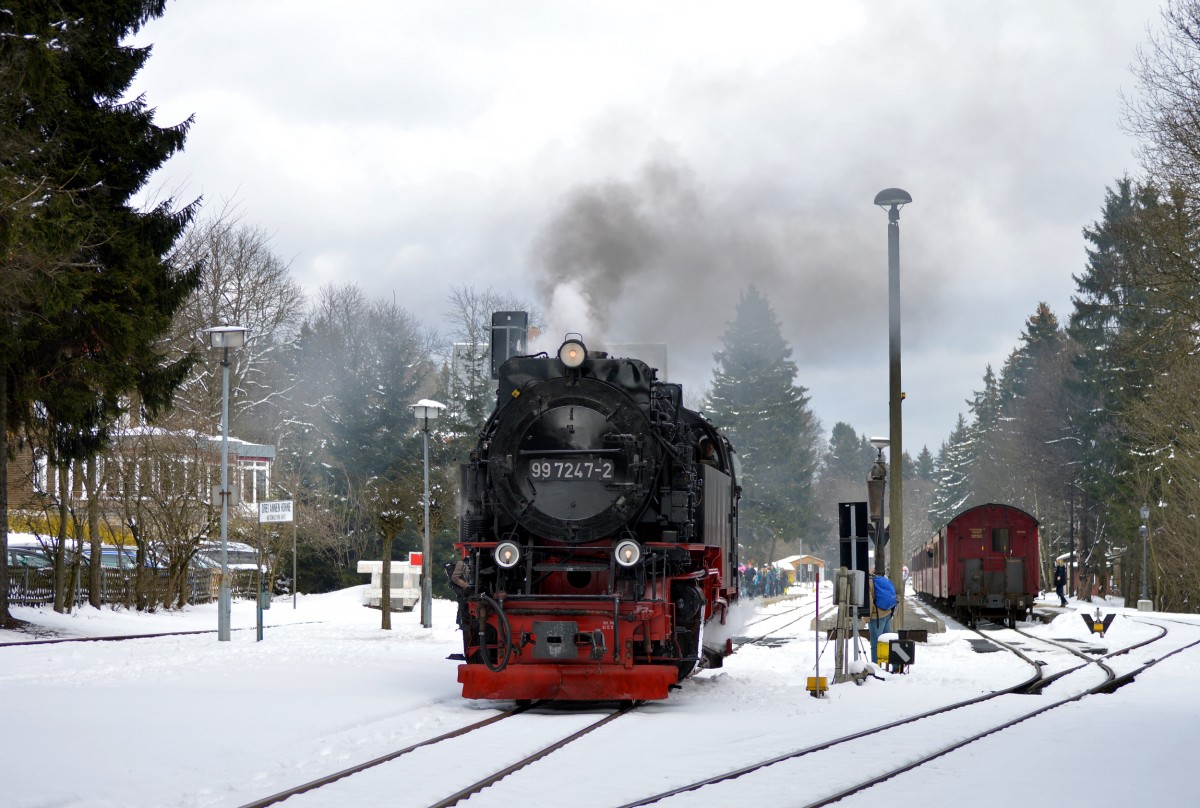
{"x": 953, "y": 474}
{"x": 755, "y": 398}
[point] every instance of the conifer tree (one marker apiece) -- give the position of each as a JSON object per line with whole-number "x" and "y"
{"x": 923, "y": 469}
{"x": 363, "y": 364}
{"x": 81, "y": 330}
{"x": 1106, "y": 314}
{"x": 755, "y": 398}
{"x": 953, "y": 474}
{"x": 850, "y": 454}
{"x": 1034, "y": 406}
{"x": 988, "y": 470}
{"x": 1041, "y": 339}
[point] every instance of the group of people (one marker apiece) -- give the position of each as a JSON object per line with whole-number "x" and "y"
{"x": 763, "y": 581}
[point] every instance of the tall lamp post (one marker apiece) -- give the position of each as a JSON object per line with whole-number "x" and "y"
{"x": 225, "y": 337}
{"x": 1144, "y": 605}
{"x": 893, "y": 199}
{"x": 876, "y": 484}
{"x": 426, "y": 411}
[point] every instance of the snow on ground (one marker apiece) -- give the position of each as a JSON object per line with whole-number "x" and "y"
{"x": 190, "y": 721}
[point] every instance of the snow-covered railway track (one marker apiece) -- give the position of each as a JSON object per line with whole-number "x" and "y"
{"x": 1054, "y": 671}
{"x": 454, "y": 765}
{"x": 903, "y": 745}
{"x": 120, "y": 637}
{"x": 775, "y": 623}
{"x": 1058, "y": 662}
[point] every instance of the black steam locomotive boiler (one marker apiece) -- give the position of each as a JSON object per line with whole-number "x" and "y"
{"x": 599, "y": 521}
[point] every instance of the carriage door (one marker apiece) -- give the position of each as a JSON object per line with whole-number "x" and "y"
{"x": 972, "y": 578}
{"x": 1014, "y": 576}
{"x": 996, "y": 569}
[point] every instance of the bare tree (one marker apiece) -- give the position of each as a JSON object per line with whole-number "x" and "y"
{"x": 243, "y": 283}
{"x": 393, "y": 506}
{"x": 1166, "y": 114}
{"x": 160, "y": 482}
{"x": 470, "y": 388}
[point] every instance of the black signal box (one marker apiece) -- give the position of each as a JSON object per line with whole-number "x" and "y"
{"x": 901, "y": 654}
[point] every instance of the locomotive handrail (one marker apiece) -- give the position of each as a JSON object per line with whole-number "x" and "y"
{"x": 567, "y": 451}
{"x": 570, "y": 566}
{"x": 599, "y": 598}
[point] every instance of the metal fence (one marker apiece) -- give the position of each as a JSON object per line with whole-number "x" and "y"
{"x": 35, "y": 586}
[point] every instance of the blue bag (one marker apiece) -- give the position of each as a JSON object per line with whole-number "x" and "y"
{"x": 885, "y": 594}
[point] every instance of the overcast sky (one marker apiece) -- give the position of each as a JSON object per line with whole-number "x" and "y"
{"x": 666, "y": 155}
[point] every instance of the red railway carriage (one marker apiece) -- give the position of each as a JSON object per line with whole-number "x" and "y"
{"x": 984, "y": 562}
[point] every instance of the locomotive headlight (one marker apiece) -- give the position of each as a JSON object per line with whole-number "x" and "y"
{"x": 507, "y": 554}
{"x": 572, "y": 353}
{"x": 628, "y": 553}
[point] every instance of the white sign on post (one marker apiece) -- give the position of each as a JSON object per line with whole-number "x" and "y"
{"x": 278, "y": 511}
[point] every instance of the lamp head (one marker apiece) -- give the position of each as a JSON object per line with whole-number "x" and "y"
{"x": 226, "y": 336}
{"x": 1145, "y": 512}
{"x": 892, "y": 197}
{"x": 426, "y": 410}
{"x": 875, "y": 489}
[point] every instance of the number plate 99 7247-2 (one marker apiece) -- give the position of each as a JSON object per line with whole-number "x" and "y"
{"x": 582, "y": 469}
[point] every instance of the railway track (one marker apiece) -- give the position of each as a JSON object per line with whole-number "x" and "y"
{"x": 906, "y": 741}
{"x": 1108, "y": 686}
{"x": 389, "y": 777}
{"x": 1055, "y": 669}
{"x": 324, "y": 789}
{"x": 120, "y": 637}
{"x": 784, "y": 619}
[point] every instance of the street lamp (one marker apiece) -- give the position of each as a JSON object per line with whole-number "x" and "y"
{"x": 876, "y": 484}
{"x": 225, "y": 337}
{"x": 426, "y": 411}
{"x": 1144, "y": 604}
{"x": 893, "y": 199}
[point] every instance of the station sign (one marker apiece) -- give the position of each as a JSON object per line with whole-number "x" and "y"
{"x": 279, "y": 510}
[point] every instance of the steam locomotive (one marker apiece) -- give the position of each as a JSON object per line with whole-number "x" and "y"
{"x": 598, "y": 522}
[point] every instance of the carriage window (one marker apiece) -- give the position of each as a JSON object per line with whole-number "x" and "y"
{"x": 999, "y": 540}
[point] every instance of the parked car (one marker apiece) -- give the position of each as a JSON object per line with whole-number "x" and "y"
{"x": 26, "y": 551}
{"x": 30, "y": 553}
{"x": 28, "y": 558}
{"x": 115, "y": 557}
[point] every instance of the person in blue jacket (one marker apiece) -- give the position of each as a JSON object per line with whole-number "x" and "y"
{"x": 881, "y": 605}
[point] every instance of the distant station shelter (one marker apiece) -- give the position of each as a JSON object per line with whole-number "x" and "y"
{"x": 802, "y": 569}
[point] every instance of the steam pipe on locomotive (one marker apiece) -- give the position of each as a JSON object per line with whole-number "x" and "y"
{"x": 599, "y": 516}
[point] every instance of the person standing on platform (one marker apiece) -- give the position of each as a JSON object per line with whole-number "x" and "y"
{"x": 881, "y": 597}
{"x": 462, "y": 581}
{"x": 1060, "y": 581}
